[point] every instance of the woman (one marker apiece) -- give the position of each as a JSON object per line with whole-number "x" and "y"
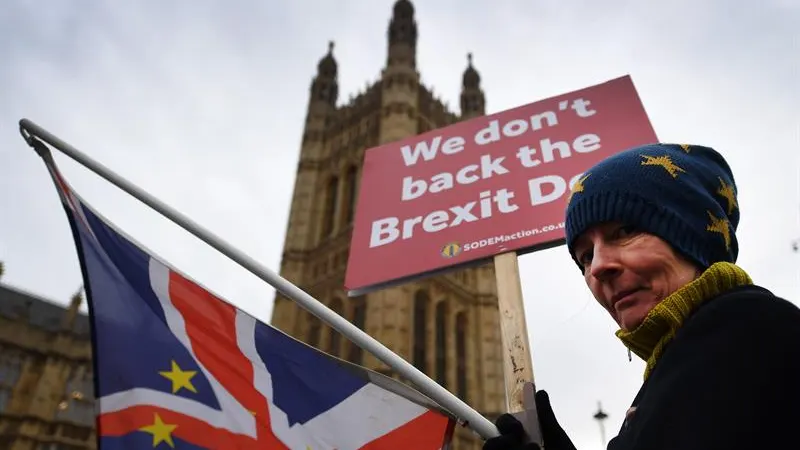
{"x": 653, "y": 230}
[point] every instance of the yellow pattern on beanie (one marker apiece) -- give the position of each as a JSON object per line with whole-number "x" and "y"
{"x": 664, "y": 161}
{"x": 721, "y": 226}
{"x": 578, "y": 186}
{"x": 728, "y": 192}
{"x": 686, "y": 195}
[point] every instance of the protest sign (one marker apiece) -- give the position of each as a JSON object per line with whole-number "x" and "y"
{"x": 485, "y": 186}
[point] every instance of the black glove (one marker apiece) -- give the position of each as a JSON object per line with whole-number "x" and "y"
{"x": 512, "y": 435}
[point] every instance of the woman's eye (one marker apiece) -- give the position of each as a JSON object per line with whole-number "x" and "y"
{"x": 585, "y": 258}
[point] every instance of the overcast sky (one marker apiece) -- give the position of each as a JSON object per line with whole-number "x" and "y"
{"x": 203, "y": 105}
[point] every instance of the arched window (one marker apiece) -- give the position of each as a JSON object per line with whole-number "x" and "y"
{"x": 77, "y": 402}
{"x": 359, "y": 320}
{"x": 419, "y": 356}
{"x": 335, "y": 339}
{"x": 10, "y": 367}
{"x": 441, "y": 343}
{"x": 461, "y": 355}
{"x": 10, "y": 373}
{"x": 352, "y": 192}
{"x": 331, "y": 198}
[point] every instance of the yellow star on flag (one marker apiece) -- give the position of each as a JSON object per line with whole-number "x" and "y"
{"x": 180, "y": 378}
{"x": 663, "y": 161}
{"x": 686, "y": 148}
{"x": 577, "y": 187}
{"x": 726, "y": 191}
{"x": 720, "y": 226}
{"x": 162, "y": 432}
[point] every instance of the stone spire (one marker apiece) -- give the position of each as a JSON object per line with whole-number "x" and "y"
{"x": 473, "y": 101}
{"x": 325, "y": 86}
{"x": 68, "y": 320}
{"x": 402, "y": 35}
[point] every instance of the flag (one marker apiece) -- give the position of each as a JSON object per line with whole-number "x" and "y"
{"x": 177, "y": 367}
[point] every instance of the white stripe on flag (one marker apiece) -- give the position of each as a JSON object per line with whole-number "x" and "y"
{"x": 239, "y": 420}
{"x": 350, "y": 424}
{"x": 119, "y": 401}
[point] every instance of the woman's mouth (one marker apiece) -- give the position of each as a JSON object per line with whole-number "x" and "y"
{"x": 623, "y": 298}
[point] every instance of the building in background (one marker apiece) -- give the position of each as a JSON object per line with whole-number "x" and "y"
{"x": 448, "y": 326}
{"x": 46, "y": 390}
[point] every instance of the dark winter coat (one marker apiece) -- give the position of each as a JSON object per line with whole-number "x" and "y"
{"x": 728, "y": 380}
{"x": 723, "y": 372}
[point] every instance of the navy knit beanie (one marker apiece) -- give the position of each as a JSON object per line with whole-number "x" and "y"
{"x": 684, "y": 194}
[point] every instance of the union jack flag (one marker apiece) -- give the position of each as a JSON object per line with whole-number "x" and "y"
{"x": 178, "y": 367}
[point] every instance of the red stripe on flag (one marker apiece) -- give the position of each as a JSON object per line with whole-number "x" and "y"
{"x": 190, "y": 429}
{"x": 429, "y": 431}
{"x": 211, "y": 327}
{"x": 62, "y": 185}
{"x": 66, "y": 197}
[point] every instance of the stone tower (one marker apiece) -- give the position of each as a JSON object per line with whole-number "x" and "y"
{"x": 447, "y": 326}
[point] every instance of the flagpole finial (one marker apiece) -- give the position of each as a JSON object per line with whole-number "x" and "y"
{"x": 25, "y": 133}
{"x": 33, "y": 141}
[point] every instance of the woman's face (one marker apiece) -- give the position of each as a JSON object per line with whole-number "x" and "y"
{"x": 629, "y": 271}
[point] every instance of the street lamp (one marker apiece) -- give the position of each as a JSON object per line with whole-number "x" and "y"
{"x": 601, "y": 416}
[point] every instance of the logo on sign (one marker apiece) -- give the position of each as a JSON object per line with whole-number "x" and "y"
{"x": 451, "y": 249}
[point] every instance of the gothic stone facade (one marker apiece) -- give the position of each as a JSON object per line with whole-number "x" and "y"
{"x": 447, "y": 326}
{"x": 46, "y": 392}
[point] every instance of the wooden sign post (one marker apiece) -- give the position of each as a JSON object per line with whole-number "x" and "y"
{"x": 517, "y": 360}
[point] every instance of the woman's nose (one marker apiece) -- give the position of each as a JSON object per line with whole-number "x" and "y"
{"x": 605, "y": 263}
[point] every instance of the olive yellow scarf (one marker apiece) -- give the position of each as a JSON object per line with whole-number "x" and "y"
{"x": 650, "y": 338}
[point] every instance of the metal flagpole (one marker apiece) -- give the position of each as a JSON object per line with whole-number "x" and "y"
{"x": 426, "y": 385}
